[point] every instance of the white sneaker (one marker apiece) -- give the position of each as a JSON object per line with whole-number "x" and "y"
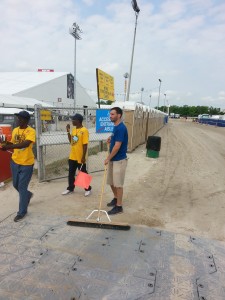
{"x": 67, "y": 192}
{"x": 87, "y": 193}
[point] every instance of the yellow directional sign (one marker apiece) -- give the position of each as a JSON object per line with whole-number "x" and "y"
{"x": 105, "y": 84}
{"x": 46, "y": 115}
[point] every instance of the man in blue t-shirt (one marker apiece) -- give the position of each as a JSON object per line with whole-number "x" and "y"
{"x": 117, "y": 160}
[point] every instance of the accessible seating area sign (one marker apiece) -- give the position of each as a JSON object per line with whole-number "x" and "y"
{"x": 103, "y": 123}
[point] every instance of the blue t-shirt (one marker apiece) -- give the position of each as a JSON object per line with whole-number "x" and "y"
{"x": 119, "y": 134}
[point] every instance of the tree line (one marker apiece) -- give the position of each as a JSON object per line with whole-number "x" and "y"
{"x": 192, "y": 111}
{"x": 189, "y": 111}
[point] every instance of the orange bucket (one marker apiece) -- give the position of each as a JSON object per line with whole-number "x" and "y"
{"x": 6, "y": 131}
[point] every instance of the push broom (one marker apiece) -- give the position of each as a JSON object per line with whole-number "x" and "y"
{"x": 98, "y": 223}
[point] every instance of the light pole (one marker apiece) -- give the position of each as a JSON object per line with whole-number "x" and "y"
{"x": 75, "y": 31}
{"x": 142, "y": 90}
{"x": 168, "y": 109}
{"x": 137, "y": 10}
{"x": 150, "y": 98}
{"x": 160, "y": 81}
{"x": 164, "y": 103}
{"x": 126, "y": 75}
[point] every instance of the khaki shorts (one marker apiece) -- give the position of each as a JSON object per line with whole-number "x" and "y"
{"x": 116, "y": 172}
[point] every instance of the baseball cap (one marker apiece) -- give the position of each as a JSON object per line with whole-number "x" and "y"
{"x": 78, "y": 117}
{"x": 23, "y": 114}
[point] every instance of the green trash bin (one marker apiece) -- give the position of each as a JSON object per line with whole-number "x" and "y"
{"x": 152, "y": 153}
{"x": 153, "y": 146}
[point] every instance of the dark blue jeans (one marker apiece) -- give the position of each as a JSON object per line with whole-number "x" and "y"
{"x": 21, "y": 178}
{"x": 73, "y": 166}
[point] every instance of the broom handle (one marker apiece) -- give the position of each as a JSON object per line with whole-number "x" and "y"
{"x": 102, "y": 192}
{"x": 103, "y": 185}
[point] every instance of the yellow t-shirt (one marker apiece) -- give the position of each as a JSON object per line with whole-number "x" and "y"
{"x": 25, "y": 156}
{"x": 79, "y": 137}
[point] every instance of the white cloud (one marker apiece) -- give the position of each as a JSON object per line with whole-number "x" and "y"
{"x": 181, "y": 42}
{"x": 221, "y": 96}
{"x": 109, "y": 67}
{"x": 88, "y": 2}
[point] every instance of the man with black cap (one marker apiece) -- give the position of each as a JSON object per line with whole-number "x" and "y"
{"x": 22, "y": 162}
{"x": 78, "y": 139}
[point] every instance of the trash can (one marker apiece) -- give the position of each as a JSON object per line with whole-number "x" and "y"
{"x": 153, "y": 146}
{"x": 5, "y": 171}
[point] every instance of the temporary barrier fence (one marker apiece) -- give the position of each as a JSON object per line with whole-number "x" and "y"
{"x": 53, "y": 146}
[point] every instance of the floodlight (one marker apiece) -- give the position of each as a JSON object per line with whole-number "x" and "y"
{"x": 75, "y": 31}
{"x": 135, "y": 6}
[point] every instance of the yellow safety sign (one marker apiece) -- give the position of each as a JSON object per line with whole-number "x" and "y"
{"x": 105, "y": 84}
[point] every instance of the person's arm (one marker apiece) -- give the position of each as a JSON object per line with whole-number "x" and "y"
{"x": 22, "y": 145}
{"x": 114, "y": 151}
{"x": 85, "y": 140}
{"x": 83, "y": 159}
{"x": 4, "y": 142}
{"x": 68, "y": 132}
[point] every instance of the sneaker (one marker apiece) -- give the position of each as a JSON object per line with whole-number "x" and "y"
{"x": 112, "y": 203}
{"x": 67, "y": 192}
{"x": 87, "y": 193}
{"x": 18, "y": 218}
{"x": 116, "y": 210}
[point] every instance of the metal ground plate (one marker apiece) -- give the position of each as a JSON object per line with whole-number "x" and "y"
{"x": 43, "y": 258}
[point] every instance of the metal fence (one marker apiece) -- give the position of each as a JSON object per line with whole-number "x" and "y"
{"x": 52, "y": 143}
{"x": 53, "y": 148}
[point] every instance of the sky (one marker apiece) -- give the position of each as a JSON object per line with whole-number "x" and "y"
{"x": 180, "y": 42}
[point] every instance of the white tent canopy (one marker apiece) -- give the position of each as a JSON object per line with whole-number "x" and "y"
{"x": 50, "y": 87}
{"x": 20, "y": 102}
{"x": 15, "y": 82}
{"x": 11, "y": 111}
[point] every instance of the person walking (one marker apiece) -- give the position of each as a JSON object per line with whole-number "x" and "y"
{"x": 22, "y": 161}
{"x": 117, "y": 160}
{"x": 78, "y": 139}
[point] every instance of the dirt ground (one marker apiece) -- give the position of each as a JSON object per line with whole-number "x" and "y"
{"x": 182, "y": 191}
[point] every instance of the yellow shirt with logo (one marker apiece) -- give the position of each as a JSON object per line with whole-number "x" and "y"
{"x": 25, "y": 156}
{"x": 79, "y": 137}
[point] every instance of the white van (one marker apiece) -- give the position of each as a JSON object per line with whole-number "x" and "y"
{"x": 203, "y": 116}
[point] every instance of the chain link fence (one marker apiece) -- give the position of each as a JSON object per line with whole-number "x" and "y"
{"x": 53, "y": 146}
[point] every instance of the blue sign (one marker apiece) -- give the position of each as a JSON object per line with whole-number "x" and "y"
{"x": 103, "y": 123}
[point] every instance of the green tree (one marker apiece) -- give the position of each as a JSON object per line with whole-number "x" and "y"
{"x": 194, "y": 111}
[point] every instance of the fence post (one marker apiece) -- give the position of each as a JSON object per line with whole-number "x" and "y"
{"x": 40, "y": 161}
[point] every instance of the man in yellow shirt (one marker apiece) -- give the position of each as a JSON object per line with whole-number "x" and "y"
{"x": 22, "y": 162}
{"x": 78, "y": 139}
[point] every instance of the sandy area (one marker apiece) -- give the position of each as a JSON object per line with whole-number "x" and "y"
{"x": 182, "y": 191}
